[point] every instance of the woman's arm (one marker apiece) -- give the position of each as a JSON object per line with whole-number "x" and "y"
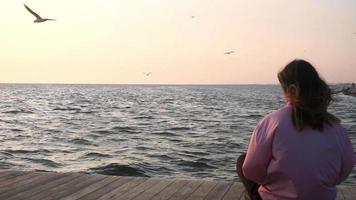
{"x": 259, "y": 152}
{"x": 348, "y": 159}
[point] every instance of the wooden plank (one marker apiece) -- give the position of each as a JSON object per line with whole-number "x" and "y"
{"x": 10, "y": 175}
{"x": 218, "y": 191}
{"x": 13, "y": 174}
{"x": 235, "y": 192}
{"x": 130, "y": 194}
{"x": 28, "y": 184}
{"x": 349, "y": 193}
{"x": 18, "y": 180}
{"x": 127, "y": 183}
{"x": 202, "y": 191}
{"x": 5, "y": 173}
{"x": 167, "y": 192}
{"x": 92, "y": 188}
{"x": 339, "y": 195}
{"x": 52, "y": 186}
{"x": 186, "y": 190}
{"x": 39, "y": 192}
{"x": 70, "y": 188}
{"x": 148, "y": 194}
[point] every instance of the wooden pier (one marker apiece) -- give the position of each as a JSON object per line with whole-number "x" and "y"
{"x": 15, "y": 185}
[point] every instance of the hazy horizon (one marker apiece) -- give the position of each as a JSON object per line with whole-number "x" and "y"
{"x": 116, "y": 42}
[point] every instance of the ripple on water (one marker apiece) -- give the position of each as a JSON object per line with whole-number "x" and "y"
{"x": 164, "y": 133}
{"x": 45, "y": 162}
{"x": 161, "y": 156}
{"x": 194, "y": 166}
{"x": 16, "y": 130}
{"x": 195, "y": 153}
{"x": 81, "y": 141}
{"x": 5, "y": 165}
{"x": 17, "y": 112}
{"x": 23, "y": 151}
{"x": 144, "y": 148}
{"x": 124, "y": 129}
{"x": 103, "y": 132}
{"x": 143, "y": 117}
{"x": 118, "y": 170}
{"x": 67, "y": 109}
{"x": 5, "y": 155}
{"x": 95, "y": 155}
{"x": 180, "y": 128}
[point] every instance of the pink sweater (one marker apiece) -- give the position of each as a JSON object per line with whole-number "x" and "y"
{"x": 297, "y": 165}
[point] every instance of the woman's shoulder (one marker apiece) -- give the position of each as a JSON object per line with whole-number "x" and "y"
{"x": 277, "y": 116}
{"x": 338, "y": 128}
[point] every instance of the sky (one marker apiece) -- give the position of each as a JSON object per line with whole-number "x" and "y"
{"x": 117, "y": 41}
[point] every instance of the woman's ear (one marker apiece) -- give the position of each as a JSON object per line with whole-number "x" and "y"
{"x": 292, "y": 90}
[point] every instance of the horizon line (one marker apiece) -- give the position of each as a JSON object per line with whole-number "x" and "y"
{"x": 139, "y": 84}
{"x": 157, "y": 84}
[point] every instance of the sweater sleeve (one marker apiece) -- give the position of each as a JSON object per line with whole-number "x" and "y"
{"x": 259, "y": 152}
{"x": 348, "y": 159}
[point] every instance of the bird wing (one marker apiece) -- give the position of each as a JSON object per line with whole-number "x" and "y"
{"x": 35, "y": 14}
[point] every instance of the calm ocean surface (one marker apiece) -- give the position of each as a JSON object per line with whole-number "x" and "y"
{"x": 166, "y": 131}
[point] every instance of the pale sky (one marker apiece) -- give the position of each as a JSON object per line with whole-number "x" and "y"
{"x": 116, "y": 41}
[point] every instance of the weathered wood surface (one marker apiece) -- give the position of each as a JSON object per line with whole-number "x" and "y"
{"x": 78, "y": 186}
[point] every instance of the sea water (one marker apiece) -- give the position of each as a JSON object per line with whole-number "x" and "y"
{"x": 139, "y": 130}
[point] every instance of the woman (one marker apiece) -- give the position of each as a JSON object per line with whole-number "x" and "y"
{"x": 299, "y": 151}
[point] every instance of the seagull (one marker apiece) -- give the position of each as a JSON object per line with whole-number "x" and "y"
{"x": 147, "y": 74}
{"x": 39, "y": 19}
{"x": 229, "y": 52}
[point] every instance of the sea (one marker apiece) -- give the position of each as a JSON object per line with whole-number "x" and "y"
{"x": 171, "y": 131}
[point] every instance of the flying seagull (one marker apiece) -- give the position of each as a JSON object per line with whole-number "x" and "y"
{"x": 229, "y": 52}
{"x": 39, "y": 19}
{"x": 147, "y": 74}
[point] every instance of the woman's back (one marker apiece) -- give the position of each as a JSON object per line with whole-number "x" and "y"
{"x": 303, "y": 164}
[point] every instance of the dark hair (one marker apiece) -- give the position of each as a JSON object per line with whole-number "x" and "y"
{"x": 308, "y": 94}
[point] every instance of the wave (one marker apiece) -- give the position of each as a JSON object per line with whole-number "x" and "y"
{"x": 143, "y": 117}
{"x": 118, "y": 129}
{"x": 81, "y": 141}
{"x": 165, "y": 133}
{"x": 197, "y": 153}
{"x": 16, "y": 130}
{"x": 175, "y": 140}
{"x": 5, "y": 165}
{"x": 5, "y": 155}
{"x": 125, "y": 129}
{"x": 96, "y": 155}
{"x": 144, "y": 148}
{"x": 67, "y": 109}
{"x": 46, "y": 162}
{"x": 180, "y": 129}
{"x": 162, "y": 157}
{"x": 196, "y": 165}
{"x": 86, "y": 112}
{"x": 23, "y": 151}
{"x": 104, "y": 132}
{"x": 17, "y": 112}
{"x": 118, "y": 170}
